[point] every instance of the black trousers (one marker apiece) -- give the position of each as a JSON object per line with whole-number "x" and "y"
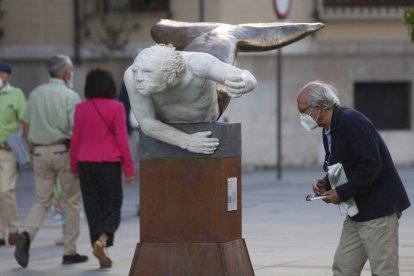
{"x": 101, "y": 185}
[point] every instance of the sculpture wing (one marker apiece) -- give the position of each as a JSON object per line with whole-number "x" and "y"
{"x": 269, "y": 36}
{"x": 179, "y": 33}
{"x": 224, "y": 40}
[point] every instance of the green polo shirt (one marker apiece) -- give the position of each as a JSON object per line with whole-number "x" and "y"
{"x": 50, "y": 111}
{"x": 12, "y": 109}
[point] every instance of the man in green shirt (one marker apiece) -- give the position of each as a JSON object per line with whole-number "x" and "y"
{"x": 48, "y": 128}
{"x": 12, "y": 108}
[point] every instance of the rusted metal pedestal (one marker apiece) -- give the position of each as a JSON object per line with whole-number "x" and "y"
{"x": 186, "y": 227}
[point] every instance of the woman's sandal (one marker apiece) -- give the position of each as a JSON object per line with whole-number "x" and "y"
{"x": 99, "y": 250}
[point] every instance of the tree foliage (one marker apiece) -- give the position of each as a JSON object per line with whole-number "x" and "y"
{"x": 409, "y": 21}
{"x": 108, "y": 24}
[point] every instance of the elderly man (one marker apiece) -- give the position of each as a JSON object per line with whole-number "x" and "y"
{"x": 12, "y": 108}
{"x": 49, "y": 119}
{"x": 180, "y": 87}
{"x": 351, "y": 139}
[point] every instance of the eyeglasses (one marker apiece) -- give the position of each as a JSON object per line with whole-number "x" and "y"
{"x": 304, "y": 110}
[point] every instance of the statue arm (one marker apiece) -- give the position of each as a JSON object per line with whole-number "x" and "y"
{"x": 237, "y": 81}
{"x": 143, "y": 109}
{"x": 198, "y": 142}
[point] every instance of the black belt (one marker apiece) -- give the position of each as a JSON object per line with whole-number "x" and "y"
{"x": 62, "y": 142}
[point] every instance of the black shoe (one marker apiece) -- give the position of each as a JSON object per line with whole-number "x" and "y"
{"x": 21, "y": 253}
{"x": 74, "y": 259}
{"x": 2, "y": 242}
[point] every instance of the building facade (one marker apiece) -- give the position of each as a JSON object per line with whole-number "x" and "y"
{"x": 364, "y": 50}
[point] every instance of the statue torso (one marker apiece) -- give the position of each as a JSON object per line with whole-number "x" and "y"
{"x": 194, "y": 100}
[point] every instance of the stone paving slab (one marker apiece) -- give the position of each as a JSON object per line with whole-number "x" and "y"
{"x": 285, "y": 235}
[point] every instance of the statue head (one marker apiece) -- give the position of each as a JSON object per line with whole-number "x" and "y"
{"x": 157, "y": 68}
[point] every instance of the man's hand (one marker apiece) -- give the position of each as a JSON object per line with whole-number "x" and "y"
{"x": 332, "y": 197}
{"x": 200, "y": 143}
{"x": 238, "y": 85}
{"x": 320, "y": 187}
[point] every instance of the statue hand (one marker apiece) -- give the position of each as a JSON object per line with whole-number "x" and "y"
{"x": 235, "y": 86}
{"x": 199, "y": 142}
{"x": 238, "y": 85}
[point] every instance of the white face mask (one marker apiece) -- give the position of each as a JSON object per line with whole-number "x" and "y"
{"x": 307, "y": 121}
{"x": 3, "y": 85}
{"x": 69, "y": 82}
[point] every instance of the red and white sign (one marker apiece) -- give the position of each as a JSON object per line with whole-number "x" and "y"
{"x": 282, "y": 8}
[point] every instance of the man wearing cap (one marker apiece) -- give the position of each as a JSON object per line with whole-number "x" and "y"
{"x": 12, "y": 108}
{"x": 48, "y": 128}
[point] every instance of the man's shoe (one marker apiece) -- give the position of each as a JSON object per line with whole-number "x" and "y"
{"x": 13, "y": 238}
{"x": 21, "y": 253}
{"x": 74, "y": 259}
{"x": 2, "y": 242}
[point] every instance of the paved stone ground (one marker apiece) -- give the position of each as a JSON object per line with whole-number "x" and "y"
{"x": 288, "y": 236}
{"x": 285, "y": 235}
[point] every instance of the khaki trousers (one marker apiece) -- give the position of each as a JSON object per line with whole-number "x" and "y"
{"x": 49, "y": 163}
{"x": 375, "y": 240}
{"x": 8, "y": 176}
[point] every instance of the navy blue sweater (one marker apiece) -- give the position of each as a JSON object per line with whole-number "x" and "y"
{"x": 372, "y": 177}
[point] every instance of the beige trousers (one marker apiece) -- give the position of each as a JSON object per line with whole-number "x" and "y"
{"x": 375, "y": 240}
{"x": 8, "y": 210}
{"x": 50, "y": 162}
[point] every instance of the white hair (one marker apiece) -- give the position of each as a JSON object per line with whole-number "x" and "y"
{"x": 57, "y": 64}
{"x": 321, "y": 93}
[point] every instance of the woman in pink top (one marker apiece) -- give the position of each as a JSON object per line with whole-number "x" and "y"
{"x": 99, "y": 151}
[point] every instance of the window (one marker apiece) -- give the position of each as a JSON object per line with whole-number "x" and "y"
{"x": 360, "y": 9}
{"x": 367, "y": 3}
{"x": 106, "y": 6}
{"x": 149, "y": 5}
{"x": 387, "y": 104}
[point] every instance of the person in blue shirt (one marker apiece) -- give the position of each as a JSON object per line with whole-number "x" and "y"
{"x": 351, "y": 139}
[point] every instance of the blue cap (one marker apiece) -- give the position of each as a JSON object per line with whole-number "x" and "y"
{"x": 4, "y": 67}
